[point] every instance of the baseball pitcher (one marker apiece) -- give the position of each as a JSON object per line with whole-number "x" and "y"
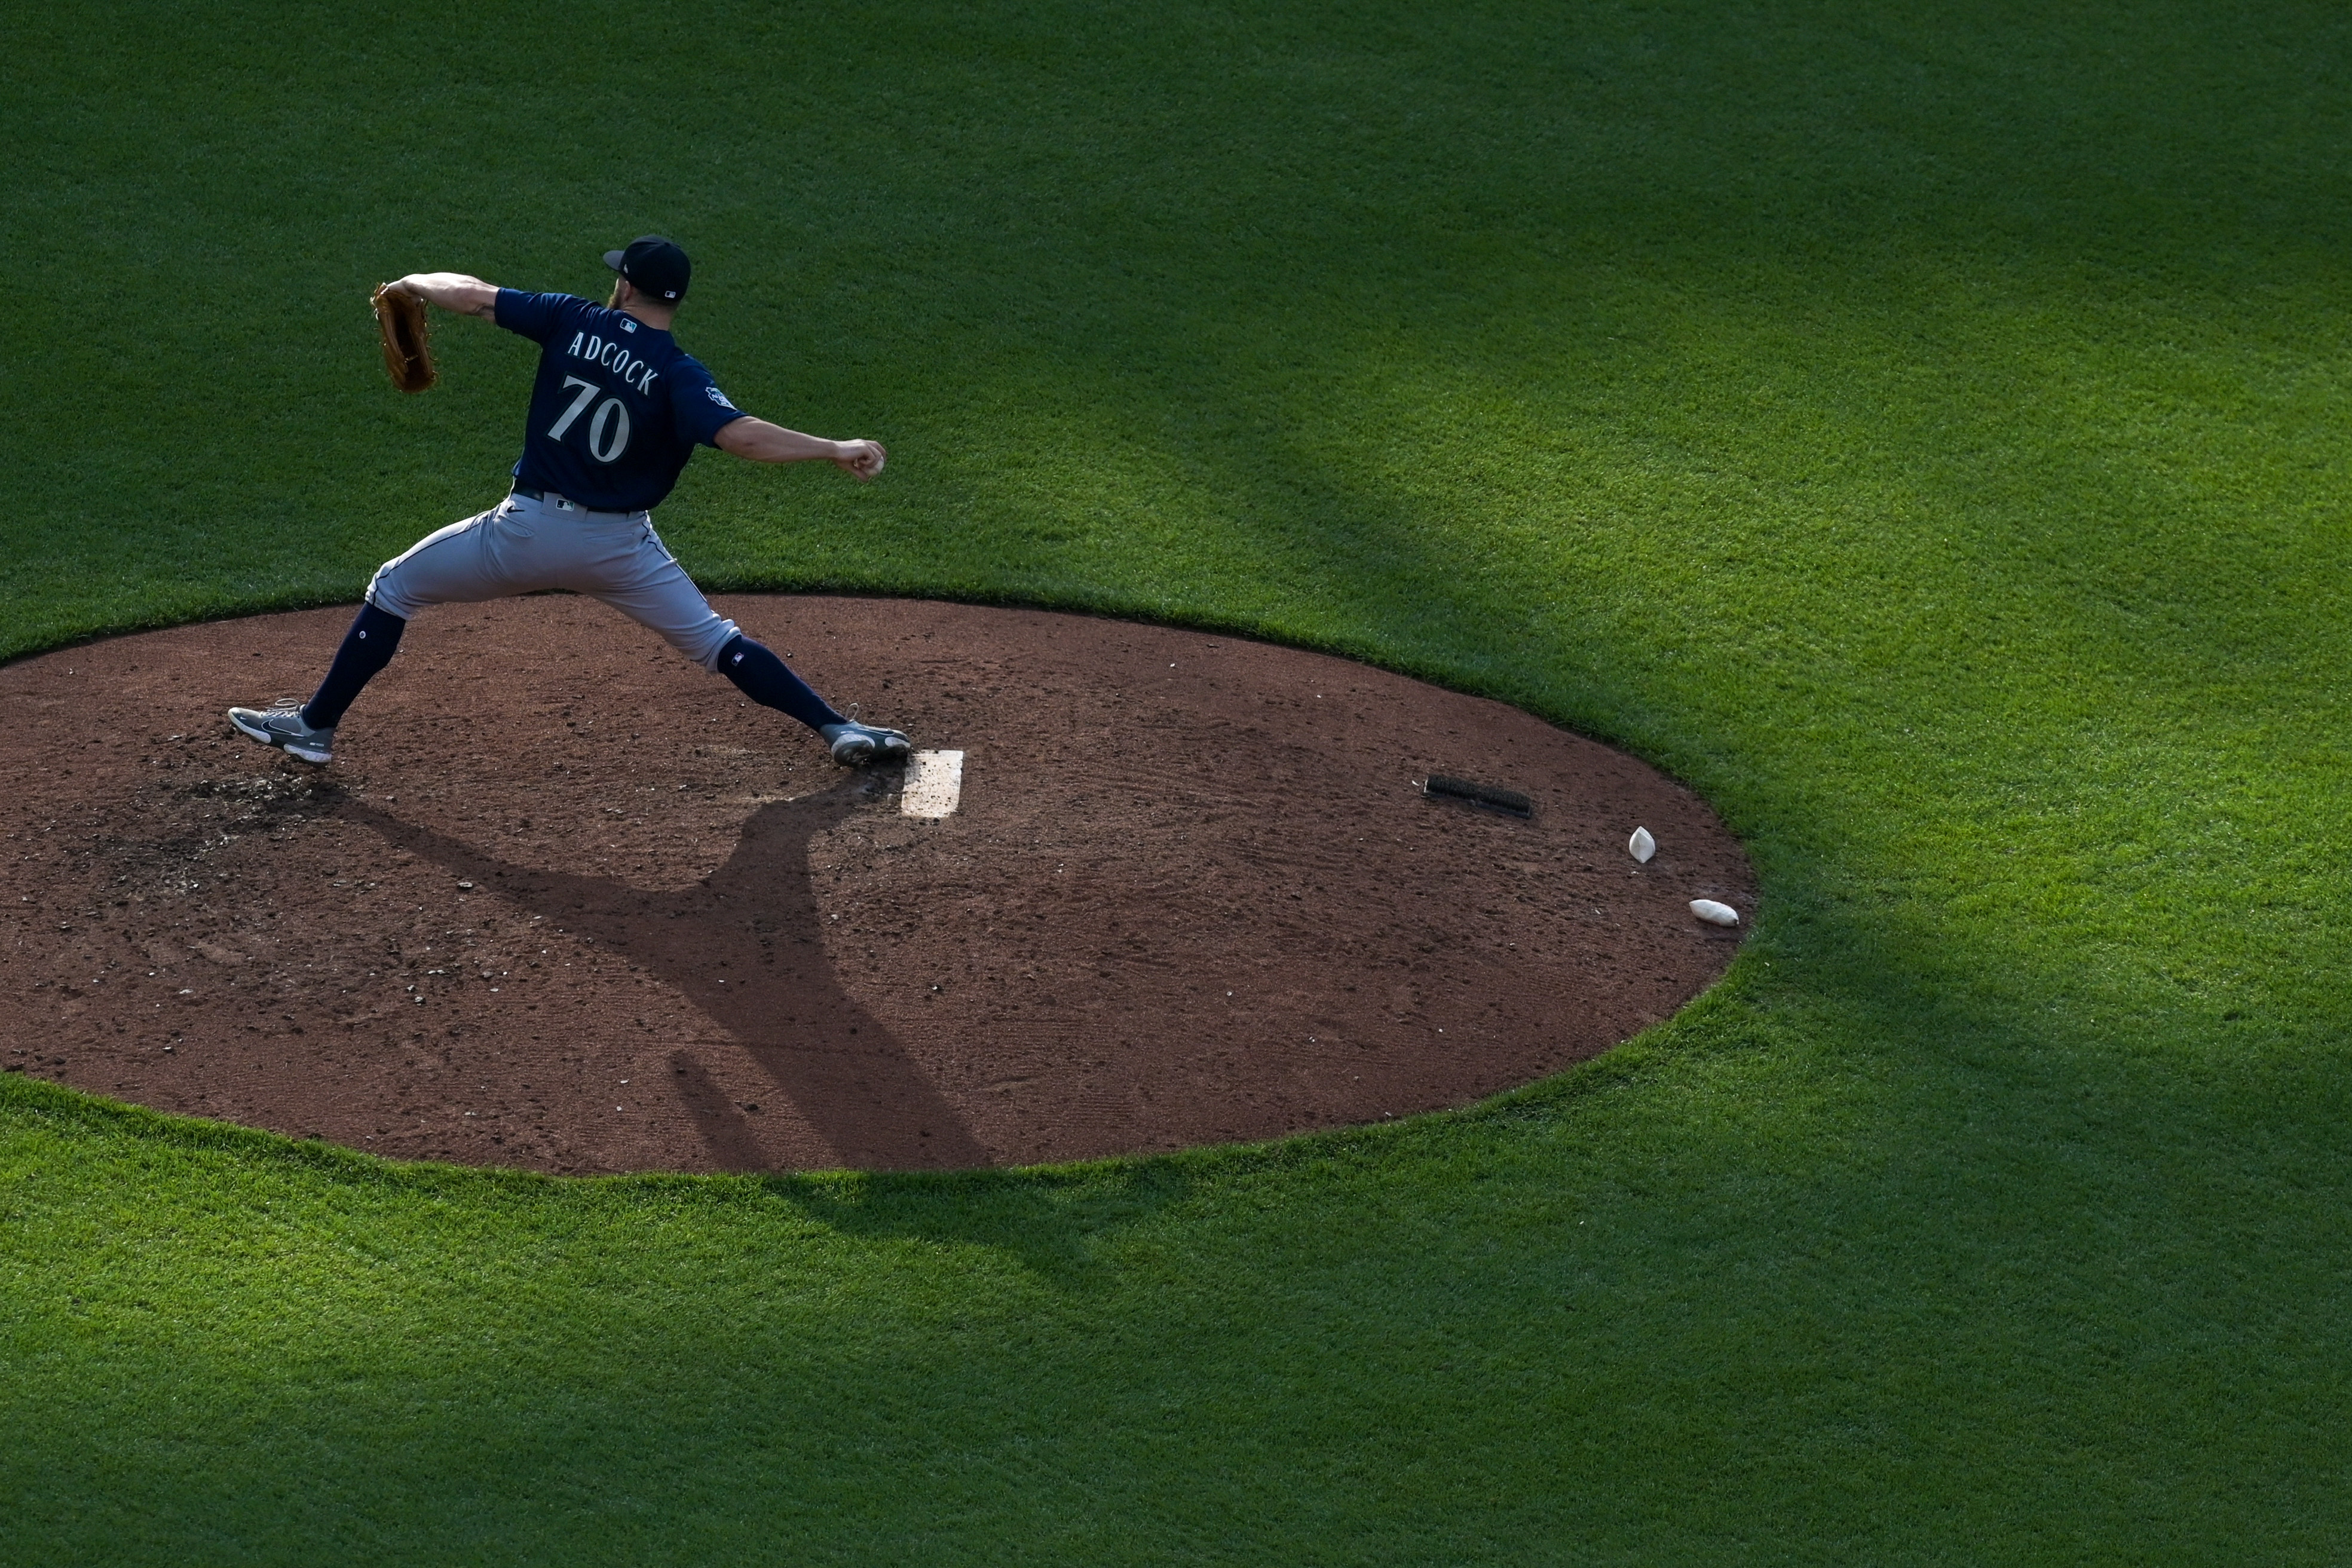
{"x": 617, "y": 409}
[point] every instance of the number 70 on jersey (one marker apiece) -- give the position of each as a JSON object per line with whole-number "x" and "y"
{"x": 610, "y": 420}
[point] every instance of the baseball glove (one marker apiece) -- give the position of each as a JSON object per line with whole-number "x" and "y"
{"x": 407, "y": 347}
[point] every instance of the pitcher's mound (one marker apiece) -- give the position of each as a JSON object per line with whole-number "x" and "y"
{"x": 565, "y": 901}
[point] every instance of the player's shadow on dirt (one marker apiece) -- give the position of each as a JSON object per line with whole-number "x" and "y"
{"x": 745, "y": 947}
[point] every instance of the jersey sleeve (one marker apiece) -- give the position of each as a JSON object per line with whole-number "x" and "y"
{"x": 535, "y": 316}
{"x": 699, "y": 409}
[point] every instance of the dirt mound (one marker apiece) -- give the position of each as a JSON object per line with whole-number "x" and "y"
{"x": 565, "y": 901}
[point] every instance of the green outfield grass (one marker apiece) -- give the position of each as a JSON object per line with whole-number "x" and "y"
{"x": 1923, "y": 429}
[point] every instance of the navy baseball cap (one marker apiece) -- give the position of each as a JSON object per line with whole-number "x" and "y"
{"x": 655, "y": 265}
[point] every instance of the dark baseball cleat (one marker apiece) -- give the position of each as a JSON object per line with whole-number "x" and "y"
{"x": 281, "y": 726}
{"x": 853, "y": 745}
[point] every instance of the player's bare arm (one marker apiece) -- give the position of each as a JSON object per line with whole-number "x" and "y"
{"x": 457, "y": 292}
{"x": 764, "y": 443}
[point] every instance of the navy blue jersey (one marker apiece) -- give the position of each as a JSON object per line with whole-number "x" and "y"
{"x": 618, "y": 406}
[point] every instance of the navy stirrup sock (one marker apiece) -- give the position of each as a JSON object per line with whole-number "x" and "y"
{"x": 769, "y": 681}
{"x": 367, "y": 648}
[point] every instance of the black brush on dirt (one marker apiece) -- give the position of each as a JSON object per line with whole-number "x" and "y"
{"x": 1489, "y": 797}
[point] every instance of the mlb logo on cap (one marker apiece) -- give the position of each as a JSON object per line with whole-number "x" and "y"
{"x": 654, "y": 265}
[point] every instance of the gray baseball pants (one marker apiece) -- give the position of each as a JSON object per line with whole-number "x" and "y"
{"x": 526, "y": 546}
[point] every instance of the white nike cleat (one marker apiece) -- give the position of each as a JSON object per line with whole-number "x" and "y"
{"x": 282, "y": 725}
{"x": 853, "y": 745}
